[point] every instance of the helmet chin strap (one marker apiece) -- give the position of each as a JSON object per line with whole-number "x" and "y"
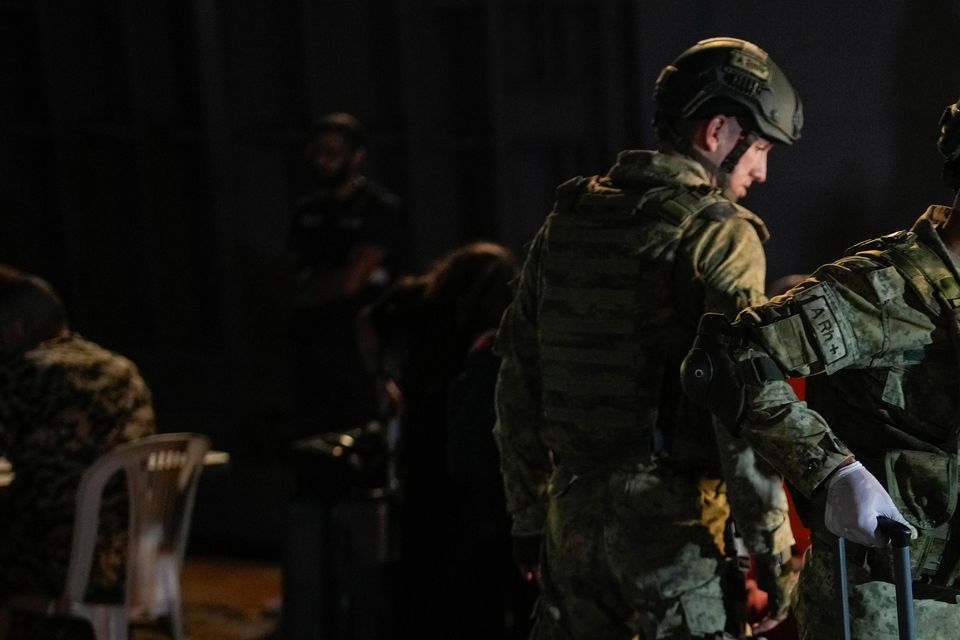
{"x": 747, "y": 138}
{"x": 722, "y": 171}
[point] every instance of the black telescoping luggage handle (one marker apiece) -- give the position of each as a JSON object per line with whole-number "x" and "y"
{"x": 899, "y": 535}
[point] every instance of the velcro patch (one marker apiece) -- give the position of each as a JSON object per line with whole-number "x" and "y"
{"x": 751, "y": 62}
{"x": 826, "y": 329}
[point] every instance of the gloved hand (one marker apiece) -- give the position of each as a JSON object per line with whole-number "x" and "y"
{"x": 854, "y": 500}
{"x": 775, "y": 575}
{"x": 526, "y": 553}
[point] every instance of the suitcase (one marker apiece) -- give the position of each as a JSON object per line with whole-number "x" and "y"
{"x": 899, "y": 535}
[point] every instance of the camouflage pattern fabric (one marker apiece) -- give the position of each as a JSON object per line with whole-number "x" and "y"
{"x": 873, "y": 606}
{"x": 883, "y": 332}
{"x": 634, "y": 552}
{"x": 600, "y": 452}
{"x": 63, "y": 404}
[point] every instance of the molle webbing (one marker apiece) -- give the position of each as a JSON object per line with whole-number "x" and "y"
{"x": 607, "y": 317}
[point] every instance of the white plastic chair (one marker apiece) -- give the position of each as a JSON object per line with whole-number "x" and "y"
{"x": 161, "y": 472}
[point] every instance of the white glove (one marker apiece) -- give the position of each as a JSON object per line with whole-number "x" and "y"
{"x": 854, "y": 500}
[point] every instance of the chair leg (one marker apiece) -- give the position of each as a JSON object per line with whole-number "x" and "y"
{"x": 176, "y": 622}
{"x": 109, "y": 623}
{"x": 170, "y": 579}
{"x": 172, "y": 624}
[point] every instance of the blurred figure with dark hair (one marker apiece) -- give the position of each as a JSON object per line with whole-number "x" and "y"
{"x": 64, "y": 402}
{"x": 419, "y": 331}
{"x": 492, "y": 593}
{"x": 30, "y": 310}
{"x": 455, "y": 552}
{"x": 343, "y": 246}
{"x": 784, "y": 283}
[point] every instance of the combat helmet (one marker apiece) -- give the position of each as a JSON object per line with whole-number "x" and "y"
{"x": 949, "y": 144}
{"x": 729, "y": 76}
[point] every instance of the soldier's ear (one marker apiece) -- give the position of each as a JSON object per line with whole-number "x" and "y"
{"x": 705, "y": 134}
{"x": 715, "y": 130}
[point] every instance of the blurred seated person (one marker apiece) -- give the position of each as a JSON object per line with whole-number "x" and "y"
{"x": 417, "y": 337}
{"x": 64, "y": 402}
{"x": 494, "y": 594}
{"x": 784, "y": 283}
{"x": 343, "y": 248}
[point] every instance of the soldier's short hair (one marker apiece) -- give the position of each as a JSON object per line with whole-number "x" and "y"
{"x": 30, "y": 310}
{"x": 342, "y": 123}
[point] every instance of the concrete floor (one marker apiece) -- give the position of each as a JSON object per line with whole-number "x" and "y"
{"x": 227, "y": 599}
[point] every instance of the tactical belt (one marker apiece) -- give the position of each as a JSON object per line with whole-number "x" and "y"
{"x": 584, "y": 467}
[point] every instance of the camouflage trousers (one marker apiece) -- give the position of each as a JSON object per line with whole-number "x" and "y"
{"x": 633, "y": 553}
{"x": 873, "y": 608}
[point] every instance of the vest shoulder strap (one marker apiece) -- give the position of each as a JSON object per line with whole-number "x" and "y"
{"x": 676, "y": 205}
{"x": 568, "y": 193}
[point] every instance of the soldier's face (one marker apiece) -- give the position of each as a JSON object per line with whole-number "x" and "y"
{"x": 751, "y": 168}
{"x": 334, "y": 159}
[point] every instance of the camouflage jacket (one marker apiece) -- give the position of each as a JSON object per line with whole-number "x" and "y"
{"x": 62, "y": 405}
{"x": 885, "y": 341}
{"x": 608, "y": 301}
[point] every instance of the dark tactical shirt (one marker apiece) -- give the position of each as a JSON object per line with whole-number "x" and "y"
{"x": 325, "y": 230}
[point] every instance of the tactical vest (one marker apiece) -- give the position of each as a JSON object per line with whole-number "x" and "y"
{"x": 935, "y": 284}
{"x": 924, "y": 484}
{"x": 611, "y": 339}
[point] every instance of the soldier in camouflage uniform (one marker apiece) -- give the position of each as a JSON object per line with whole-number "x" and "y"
{"x": 601, "y": 454}
{"x": 884, "y": 324}
{"x": 64, "y": 402}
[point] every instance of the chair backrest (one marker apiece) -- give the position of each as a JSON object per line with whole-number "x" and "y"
{"x": 161, "y": 474}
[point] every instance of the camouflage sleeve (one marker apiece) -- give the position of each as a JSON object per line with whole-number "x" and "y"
{"x": 728, "y": 263}
{"x": 524, "y": 460}
{"x": 852, "y": 313}
{"x": 731, "y": 265}
{"x": 756, "y": 495}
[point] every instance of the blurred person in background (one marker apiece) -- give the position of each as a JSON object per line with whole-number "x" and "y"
{"x": 343, "y": 250}
{"x": 417, "y": 337}
{"x": 64, "y": 402}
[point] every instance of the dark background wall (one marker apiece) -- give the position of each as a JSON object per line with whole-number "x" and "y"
{"x": 150, "y": 150}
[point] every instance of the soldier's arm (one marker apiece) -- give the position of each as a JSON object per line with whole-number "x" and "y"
{"x": 524, "y": 460}
{"x": 756, "y": 495}
{"x": 728, "y": 261}
{"x": 732, "y": 267}
{"x": 852, "y": 313}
